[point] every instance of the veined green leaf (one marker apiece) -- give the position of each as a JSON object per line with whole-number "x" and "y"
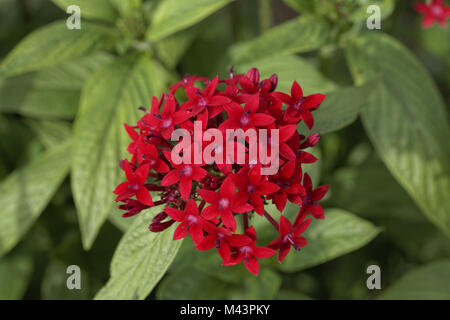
{"x": 110, "y": 98}
{"x": 54, "y": 44}
{"x": 406, "y": 121}
{"x": 430, "y": 282}
{"x": 91, "y": 9}
{"x": 298, "y": 35}
{"x": 175, "y": 15}
{"x": 53, "y": 92}
{"x": 27, "y": 191}
{"x": 339, "y": 233}
{"x": 290, "y": 68}
{"x": 50, "y": 133}
{"x": 141, "y": 259}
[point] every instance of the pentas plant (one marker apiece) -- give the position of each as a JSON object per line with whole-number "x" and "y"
{"x": 434, "y": 11}
{"x": 214, "y": 201}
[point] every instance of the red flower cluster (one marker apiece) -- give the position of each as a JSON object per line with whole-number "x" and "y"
{"x": 209, "y": 201}
{"x": 436, "y": 11}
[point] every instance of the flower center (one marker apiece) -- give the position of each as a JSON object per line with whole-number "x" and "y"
{"x": 191, "y": 219}
{"x": 187, "y": 170}
{"x": 436, "y": 10}
{"x": 250, "y": 189}
{"x": 246, "y": 250}
{"x": 298, "y": 104}
{"x": 167, "y": 123}
{"x": 202, "y": 102}
{"x": 223, "y": 203}
{"x": 134, "y": 186}
{"x": 245, "y": 120}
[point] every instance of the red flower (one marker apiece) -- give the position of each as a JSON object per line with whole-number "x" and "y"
{"x": 252, "y": 185}
{"x": 184, "y": 174}
{"x": 248, "y": 252}
{"x": 134, "y": 186}
{"x": 288, "y": 188}
{"x": 148, "y": 153}
{"x": 200, "y": 101}
{"x": 133, "y": 207}
{"x": 217, "y": 237}
{"x": 224, "y": 204}
{"x": 309, "y": 203}
{"x": 187, "y": 82}
{"x": 289, "y": 236}
{"x": 191, "y": 222}
{"x": 247, "y": 117}
{"x": 299, "y": 106}
{"x": 241, "y": 102}
{"x": 165, "y": 123}
{"x": 436, "y": 11}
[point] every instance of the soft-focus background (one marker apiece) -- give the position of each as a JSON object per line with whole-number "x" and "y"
{"x": 64, "y": 95}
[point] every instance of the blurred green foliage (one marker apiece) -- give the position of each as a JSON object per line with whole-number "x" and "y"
{"x": 64, "y": 95}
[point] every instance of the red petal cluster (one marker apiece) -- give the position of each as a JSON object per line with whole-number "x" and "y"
{"x": 436, "y": 11}
{"x": 205, "y": 200}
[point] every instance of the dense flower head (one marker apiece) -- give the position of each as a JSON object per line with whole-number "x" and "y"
{"x": 433, "y": 11}
{"x": 215, "y": 199}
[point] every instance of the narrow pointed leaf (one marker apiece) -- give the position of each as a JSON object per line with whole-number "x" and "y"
{"x": 175, "y": 15}
{"x": 298, "y": 35}
{"x": 111, "y": 98}
{"x": 54, "y": 44}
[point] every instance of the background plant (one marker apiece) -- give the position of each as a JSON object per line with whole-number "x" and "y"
{"x": 64, "y": 95}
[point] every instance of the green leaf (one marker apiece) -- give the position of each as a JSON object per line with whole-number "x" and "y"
{"x": 50, "y": 132}
{"x": 27, "y": 191}
{"x": 54, "y": 44}
{"x": 53, "y": 92}
{"x": 15, "y": 272}
{"x": 290, "y": 68}
{"x": 395, "y": 210}
{"x": 407, "y": 122}
{"x": 110, "y": 98}
{"x": 97, "y": 9}
{"x": 175, "y": 15}
{"x": 192, "y": 284}
{"x": 339, "y": 233}
{"x": 297, "y": 35}
{"x": 429, "y": 282}
{"x": 140, "y": 260}
{"x": 338, "y": 110}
